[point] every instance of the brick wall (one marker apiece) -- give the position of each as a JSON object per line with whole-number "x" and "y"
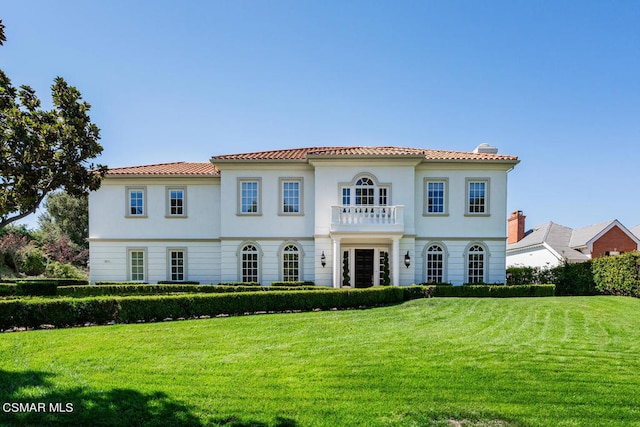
{"x": 613, "y": 240}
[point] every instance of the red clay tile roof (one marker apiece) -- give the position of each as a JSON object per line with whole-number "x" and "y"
{"x": 305, "y": 153}
{"x": 171, "y": 169}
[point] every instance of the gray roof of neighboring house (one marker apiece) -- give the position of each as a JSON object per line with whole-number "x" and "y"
{"x": 581, "y": 236}
{"x": 564, "y": 240}
{"x": 555, "y": 235}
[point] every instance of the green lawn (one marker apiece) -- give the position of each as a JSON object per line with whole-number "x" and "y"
{"x": 483, "y": 362}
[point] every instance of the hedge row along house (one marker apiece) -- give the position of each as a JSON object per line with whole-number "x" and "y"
{"x": 337, "y": 216}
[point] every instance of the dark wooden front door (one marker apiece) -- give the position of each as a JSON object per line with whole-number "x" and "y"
{"x": 364, "y": 268}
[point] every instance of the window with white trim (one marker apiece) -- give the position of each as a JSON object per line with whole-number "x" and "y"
{"x": 477, "y": 196}
{"x": 366, "y": 192}
{"x": 177, "y": 263}
{"x": 176, "y": 201}
{"x": 250, "y": 263}
{"x": 137, "y": 265}
{"x": 249, "y": 196}
{"x": 291, "y": 196}
{"x": 434, "y": 264}
{"x": 290, "y": 263}
{"x": 136, "y": 202}
{"x": 475, "y": 264}
{"x": 435, "y": 201}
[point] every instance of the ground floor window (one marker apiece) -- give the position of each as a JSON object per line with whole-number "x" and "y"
{"x": 136, "y": 265}
{"x": 475, "y": 264}
{"x": 177, "y": 265}
{"x": 290, "y": 263}
{"x": 435, "y": 264}
{"x": 250, "y": 266}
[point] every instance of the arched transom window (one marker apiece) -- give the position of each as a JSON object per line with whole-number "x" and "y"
{"x": 475, "y": 264}
{"x": 290, "y": 264}
{"x": 365, "y": 191}
{"x": 435, "y": 264}
{"x": 250, "y": 264}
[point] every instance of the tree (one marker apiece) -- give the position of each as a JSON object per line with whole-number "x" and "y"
{"x": 65, "y": 215}
{"x": 43, "y": 151}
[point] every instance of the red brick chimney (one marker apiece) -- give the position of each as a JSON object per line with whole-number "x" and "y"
{"x": 516, "y": 227}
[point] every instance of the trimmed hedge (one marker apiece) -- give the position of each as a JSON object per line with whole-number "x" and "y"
{"x": 7, "y": 289}
{"x": 618, "y": 275}
{"x": 113, "y": 283}
{"x": 58, "y": 281}
{"x": 491, "y": 291}
{"x": 177, "y": 282}
{"x": 105, "y": 290}
{"x": 239, "y": 284}
{"x": 292, "y": 284}
{"x": 69, "y": 311}
{"x": 36, "y": 287}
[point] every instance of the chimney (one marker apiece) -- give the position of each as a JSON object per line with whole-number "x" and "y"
{"x": 516, "y": 227}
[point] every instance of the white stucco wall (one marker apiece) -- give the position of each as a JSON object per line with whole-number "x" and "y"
{"x": 213, "y": 231}
{"x": 539, "y": 257}
{"x": 108, "y": 208}
{"x": 108, "y": 259}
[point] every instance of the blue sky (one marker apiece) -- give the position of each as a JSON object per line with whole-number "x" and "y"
{"x": 556, "y": 83}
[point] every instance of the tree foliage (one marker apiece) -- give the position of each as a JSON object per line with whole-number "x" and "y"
{"x": 65, "y": 215}
{"x": 44, "y": 150}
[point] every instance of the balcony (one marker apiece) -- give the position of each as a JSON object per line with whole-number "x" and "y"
{"x": 369, "y": 219}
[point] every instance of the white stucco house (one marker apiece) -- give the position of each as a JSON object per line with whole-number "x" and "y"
{"x": 332, "y": 215}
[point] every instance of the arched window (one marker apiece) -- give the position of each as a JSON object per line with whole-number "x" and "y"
{"x": 290, "y": 263}
{"x": 250, "y": 263}
{"x": 435, "y": 264}
{"x": 367, "y": 192}
{"x": 476, "y": 264}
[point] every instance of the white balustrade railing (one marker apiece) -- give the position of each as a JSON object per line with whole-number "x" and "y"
{"x": 367, "y": 215}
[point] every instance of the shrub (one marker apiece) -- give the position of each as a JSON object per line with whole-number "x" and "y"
{"x": 292, "y": 284}
{"x": 68, "y": 311}
{"x": 500, "y": 291}
{"x": 177, "y": 282}
{"x": 146, "y": 289}
{"x": 33, "y": 261}
{"x": 618, "y": 275}
{"x": 65, "y": 271}
{"x": 239, "y": 284}
{"x": 108, "y": 283}
{"x": 7, "y": 289}
{"x": 523, "y": 275}
{"x": 36, "y": 287}
{"x": 574, "y": 279}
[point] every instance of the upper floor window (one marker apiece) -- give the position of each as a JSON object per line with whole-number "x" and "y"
{"x": 291, "y": 196}
{"x": 365, "y": 191}
{"x": 136, "y": 202}
{"x": 176, "y": 202}
{"x": 435, "y": 201}
{"x": 249, "y": 196}
{"x": 477, "y": 196}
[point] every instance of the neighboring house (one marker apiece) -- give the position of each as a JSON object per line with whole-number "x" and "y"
{"x": 550, "y": 244}
{"x": 357, "y": 216}
{"x": 636, "y": 231}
